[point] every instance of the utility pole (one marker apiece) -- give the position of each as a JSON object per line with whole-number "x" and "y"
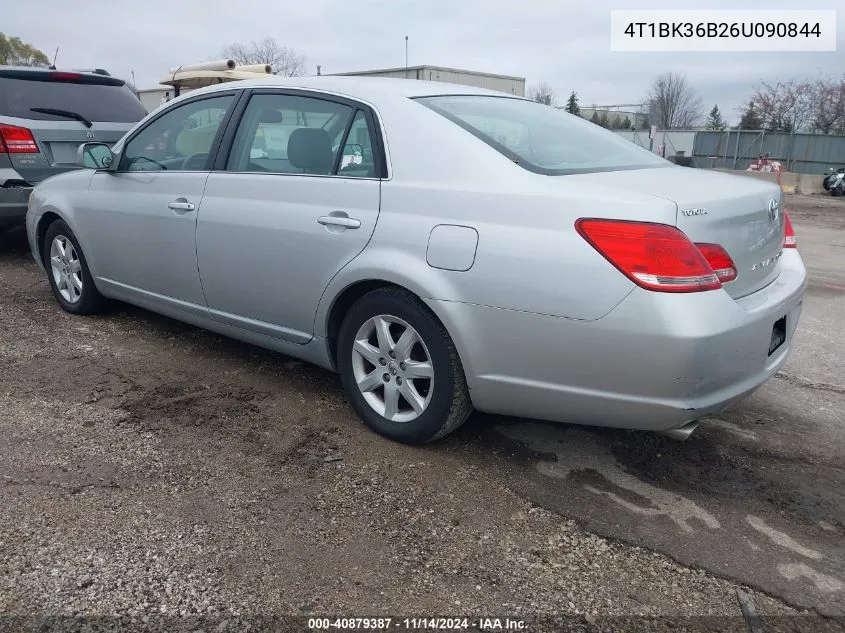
{"x": 406, "y": 57}
{"x": 736, "y": 147}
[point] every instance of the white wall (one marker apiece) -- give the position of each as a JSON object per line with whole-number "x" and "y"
{"x": 151, "y": 97}
{"x": 502, "y": 84}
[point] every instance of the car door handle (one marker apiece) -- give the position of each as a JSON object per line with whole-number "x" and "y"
{"x": 339, "y": 220}
{"x": 178, "y": 205}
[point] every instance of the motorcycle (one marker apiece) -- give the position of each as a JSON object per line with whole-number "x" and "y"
{"x": 834, "y": 182}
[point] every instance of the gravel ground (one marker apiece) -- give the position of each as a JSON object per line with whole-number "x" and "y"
{"x": 152, "y": 470}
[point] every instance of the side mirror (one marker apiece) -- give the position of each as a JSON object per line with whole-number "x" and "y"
{"x": 94, "y": 156}
{"x": 353, "y": 154}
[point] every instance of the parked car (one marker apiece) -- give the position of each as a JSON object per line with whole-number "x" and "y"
{"x": 480, "y": 250}
{"x": 44, "y": 116}
{"x": 834, "y": 182}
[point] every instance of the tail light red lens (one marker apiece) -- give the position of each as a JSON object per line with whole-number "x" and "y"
{"x": 654, "y": 256}
{"x": 16, "y": 140}
{"x": 789, "y": 239}
{"x": 719, "y": 261}
{"x": 65, "y": 76}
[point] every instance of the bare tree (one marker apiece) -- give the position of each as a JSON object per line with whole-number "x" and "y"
{"x": 785, "y": 106}
{"x": 543, "y": 93}
{"x": 829, "y": 106}
{"x": 672, "y": 103}
{"x": 285, "y": 61}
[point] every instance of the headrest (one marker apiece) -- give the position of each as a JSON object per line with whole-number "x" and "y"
{"x": 269, "y": 116}
{"x": 310, "y": 148}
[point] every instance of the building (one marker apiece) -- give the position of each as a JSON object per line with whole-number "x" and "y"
{"x": 151, "y": 97}
{"x": 501, "y": 83}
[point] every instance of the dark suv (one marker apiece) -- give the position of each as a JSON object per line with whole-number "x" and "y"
{"x": 44, "y": 116}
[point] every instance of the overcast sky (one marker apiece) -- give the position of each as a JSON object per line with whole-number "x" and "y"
{"x": 564, "y": 42}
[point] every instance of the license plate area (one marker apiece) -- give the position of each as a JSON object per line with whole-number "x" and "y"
{"x": 64, "y": 153}
{"x": 778, "y": 335}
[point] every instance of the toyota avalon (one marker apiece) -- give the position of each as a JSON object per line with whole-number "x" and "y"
{"x": 443, "y": 248}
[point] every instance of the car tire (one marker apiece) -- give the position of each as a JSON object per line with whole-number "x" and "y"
{"x": 443, "y": 401}
{"x": 68, "y": 273}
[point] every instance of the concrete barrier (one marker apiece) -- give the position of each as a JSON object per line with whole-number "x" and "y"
{"x": 790, "y": 182}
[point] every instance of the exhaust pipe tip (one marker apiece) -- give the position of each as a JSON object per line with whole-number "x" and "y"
{"x": 682, "y": 432}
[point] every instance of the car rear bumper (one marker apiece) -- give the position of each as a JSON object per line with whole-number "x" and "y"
{"x": 13, "y": 201}
{"x": 655, "y": 362}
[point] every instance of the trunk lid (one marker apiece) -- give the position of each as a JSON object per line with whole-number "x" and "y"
{"x": 743, "y": 215}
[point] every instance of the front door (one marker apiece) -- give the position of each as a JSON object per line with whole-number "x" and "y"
{"x": 143, "y": 215}
{"x": 299, "y": 198}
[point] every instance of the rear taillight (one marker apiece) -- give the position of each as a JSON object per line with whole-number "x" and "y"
{"x": 16, "y": 140}
{"x": 654, "y": 256}
{"x": 789, "y": 239}
{"x": 719, "y": 261}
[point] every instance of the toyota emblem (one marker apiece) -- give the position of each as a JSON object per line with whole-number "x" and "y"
{"x": 774, "y": 210}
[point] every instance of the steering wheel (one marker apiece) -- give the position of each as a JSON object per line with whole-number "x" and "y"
{"x": 199, "y": 158}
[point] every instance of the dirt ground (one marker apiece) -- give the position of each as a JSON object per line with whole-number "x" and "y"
{"x": 152, "y": 471}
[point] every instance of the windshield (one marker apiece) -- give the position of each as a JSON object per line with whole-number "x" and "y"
{"x": 94, "y": 102}
{"x": 541, "y": 138}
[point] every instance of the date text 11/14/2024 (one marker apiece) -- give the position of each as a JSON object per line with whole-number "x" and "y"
{"x": 418, "y": 624}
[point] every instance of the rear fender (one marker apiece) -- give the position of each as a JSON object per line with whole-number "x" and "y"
{"x": 398, "y": 268}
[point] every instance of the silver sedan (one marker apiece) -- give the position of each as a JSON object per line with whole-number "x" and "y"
{"x": 443, "y": 248}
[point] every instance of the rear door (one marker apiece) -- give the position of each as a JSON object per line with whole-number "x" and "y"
{"x": 57, "y": 111}
{"x": 294, "y": 201}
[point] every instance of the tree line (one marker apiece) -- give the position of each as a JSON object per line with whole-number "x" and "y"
{"x": 672, "y": 103}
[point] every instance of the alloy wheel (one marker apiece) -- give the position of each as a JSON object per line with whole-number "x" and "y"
{"x": 393, "y": 368}
{"x": 66, "y": 268}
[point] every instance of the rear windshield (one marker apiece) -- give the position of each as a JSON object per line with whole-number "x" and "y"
{"x": 541, "y": 138}
{"x": 94, "y": 102}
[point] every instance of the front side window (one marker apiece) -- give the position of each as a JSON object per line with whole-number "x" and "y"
{"x": 540, "y": 138}
{"x": 178, "y": 140}
{"x": 289, "y": 134}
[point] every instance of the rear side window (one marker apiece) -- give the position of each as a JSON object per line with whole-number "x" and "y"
{"x": 95, "y": 102}
{"x": 289, "y": 134}
{"x": 358, "y": 158}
